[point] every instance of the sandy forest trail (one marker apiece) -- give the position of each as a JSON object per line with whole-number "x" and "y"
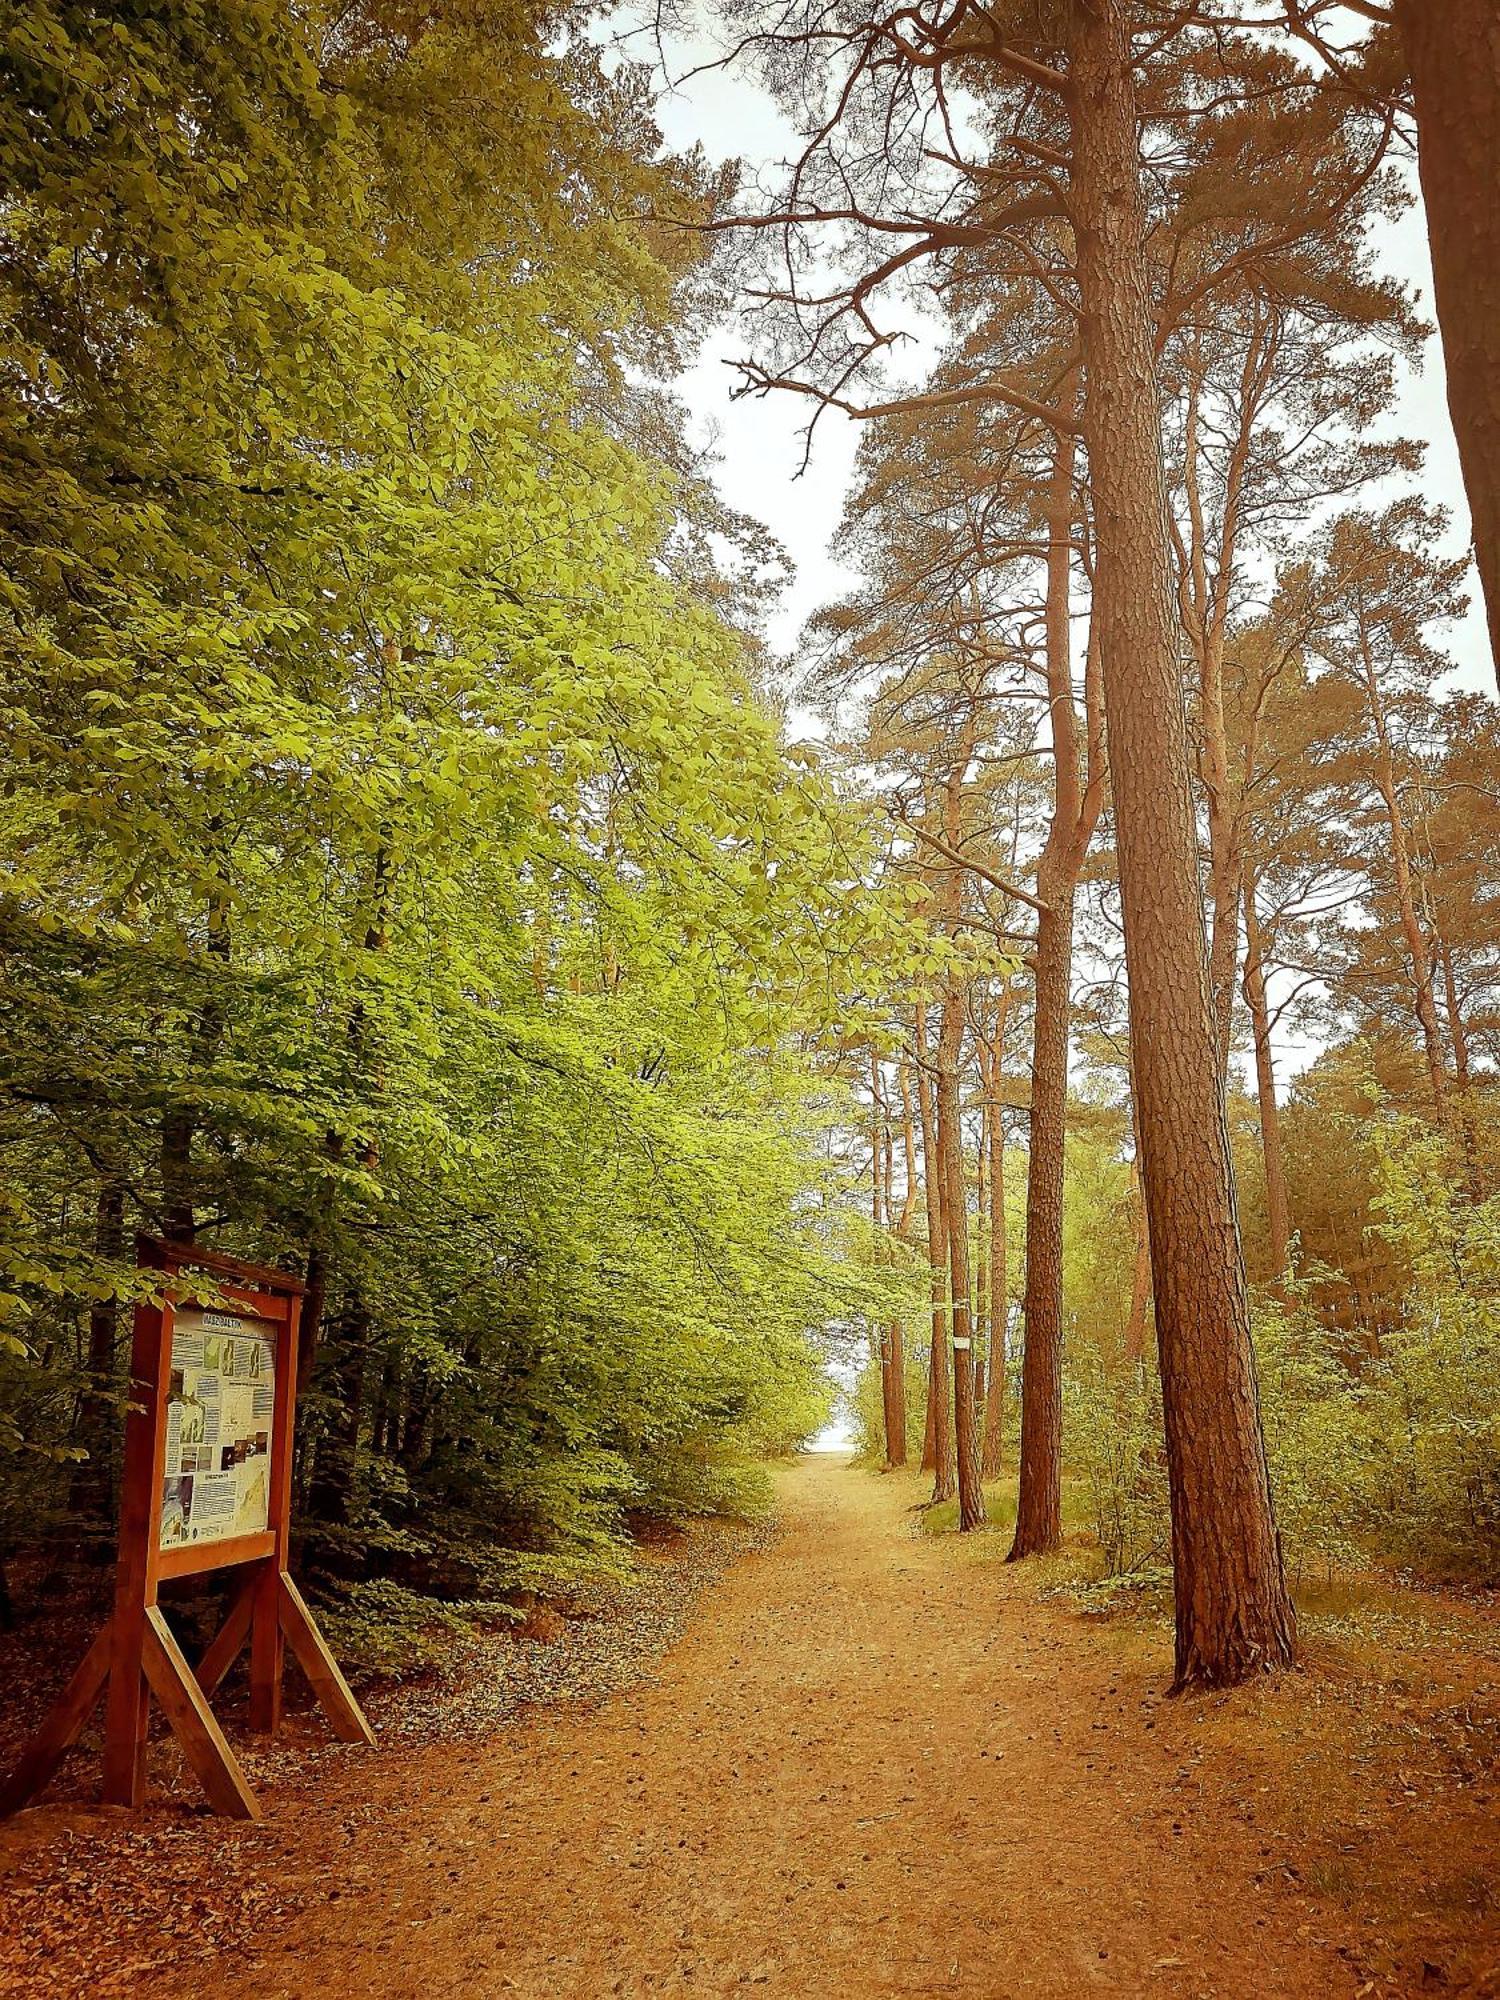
{"x": 875, "y": 1762}
{"x": 868, "y": 1768}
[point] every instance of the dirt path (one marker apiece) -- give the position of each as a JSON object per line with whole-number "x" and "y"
{"x": 874, "y": 1765}
{"x": 858, "y": 1774}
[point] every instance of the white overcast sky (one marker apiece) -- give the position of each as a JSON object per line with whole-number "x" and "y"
{"x": 759, "y": 446}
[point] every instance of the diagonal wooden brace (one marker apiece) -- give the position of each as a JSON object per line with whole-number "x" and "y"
{"x": 60, "y": 1731}
{"x": 185, "y": 1706}
{"x": 321, "y": 1668}
{"x": 228, "y": 1642}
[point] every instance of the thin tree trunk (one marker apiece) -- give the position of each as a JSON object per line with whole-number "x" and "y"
{"x": 385, "y": 1423}
{"x": 895, "y": 1403}
{"x": 928, "y": 1461}
{"x": 993, "y": 1452}
{"x": 1205, "y": 599}
{"x": 1463, "y": 1075}
{"x": 332, "y": 1479}
{"x": 1233, "y": 1614}
{"x": 1140, "y": 1281}
{"x": 956, "y": 1212}
{"x": 892, "y": 1357}
{"x": 331, "y": 1492}
{"x": 977, "y": 1246}
{"x": 1457, "y": 1034}
{"x": 1453, "y": 53}
{"x": 896, "y": 1419}
{"x": 413, "y": 1445}
{"x": 1420, "y": 954}
{"x": 939, "y": 1385}
{"x": 1278, "y": 1214}
{"x": 1039, "y": 1491}
{"x": 91, "y": 1487}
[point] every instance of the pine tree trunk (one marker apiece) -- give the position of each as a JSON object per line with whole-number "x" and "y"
{"x": 992, "y": 1457}
{"x": 877, "y": 1224}
{"x": 1457, "y": 1034}
{"x": 1039, "y": 1492}
{"x": 892, "y": 1354}
{"x": 939, "y": 1388}
{"x": 928, "y": 1461}
{"x": 956, "y": 1213}
{"x": 1205, "y": 597}
{"x": 1140, "y": 1281}
{"x": 1278, "y": 1214}
{"x": 980, "y": 1261}
{"x": 1420, "y": 955}
{"x": 1453, "y": 53}
{"x": 895, "y": 1396}
{"x": 1225, "y": 881}
{"x": 1233, "y": 1614}
{"x": 895, "y": 1415}
{"x": 1464, "y": 1105}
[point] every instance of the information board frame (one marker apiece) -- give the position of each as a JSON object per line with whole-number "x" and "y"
{"x": 136, "y": 1654}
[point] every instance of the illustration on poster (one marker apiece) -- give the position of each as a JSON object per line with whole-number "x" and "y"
{"x": 221, "y": 1398}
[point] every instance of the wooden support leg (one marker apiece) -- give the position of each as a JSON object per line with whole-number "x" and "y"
{"x": 267, "y": 1650}
{"x": 232, "y": 1634}
{"x": 192, "y": 1719}
{"x": 127, "y": 1709}
{"x": 60, "y": 1730}
{"x": 321, "y": 1668}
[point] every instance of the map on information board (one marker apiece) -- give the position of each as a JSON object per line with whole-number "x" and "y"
{"x": 217, "y": 1476}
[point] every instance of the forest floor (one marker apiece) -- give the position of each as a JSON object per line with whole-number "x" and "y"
{"x": 875, "y": 1762}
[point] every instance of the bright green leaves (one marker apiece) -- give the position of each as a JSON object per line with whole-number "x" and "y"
{"x": 400, "y": 863}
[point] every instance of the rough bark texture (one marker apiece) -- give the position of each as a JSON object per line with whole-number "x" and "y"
{"x": 1233, "y": 1615}
{"x": 1039, "y": 1495}
{"x": 1278, "y": 1212}
{"x": 1453, "y": 53}
{"x": 1140, "y": 1280}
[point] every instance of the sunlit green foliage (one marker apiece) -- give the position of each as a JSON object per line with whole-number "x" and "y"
{"x": 404, "y": 876}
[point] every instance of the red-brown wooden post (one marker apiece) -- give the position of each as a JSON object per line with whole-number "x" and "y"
{"x": 127, "y": 1704}
{"x": 267, "y": 1641}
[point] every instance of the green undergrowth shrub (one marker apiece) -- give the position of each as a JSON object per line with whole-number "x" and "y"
{"x": 1431, "y": 1399}
{"x": 711, "y": 1482}
{"x": 1382, "y": 1450}
{"x": 1112, "y": 1427}
{"x": 382, "y": 1631}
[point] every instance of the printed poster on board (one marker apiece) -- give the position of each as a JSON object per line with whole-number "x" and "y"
{"x": 216, "y": 1481}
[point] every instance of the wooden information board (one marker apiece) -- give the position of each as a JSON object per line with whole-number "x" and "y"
{"x": 207, "y": 1485}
